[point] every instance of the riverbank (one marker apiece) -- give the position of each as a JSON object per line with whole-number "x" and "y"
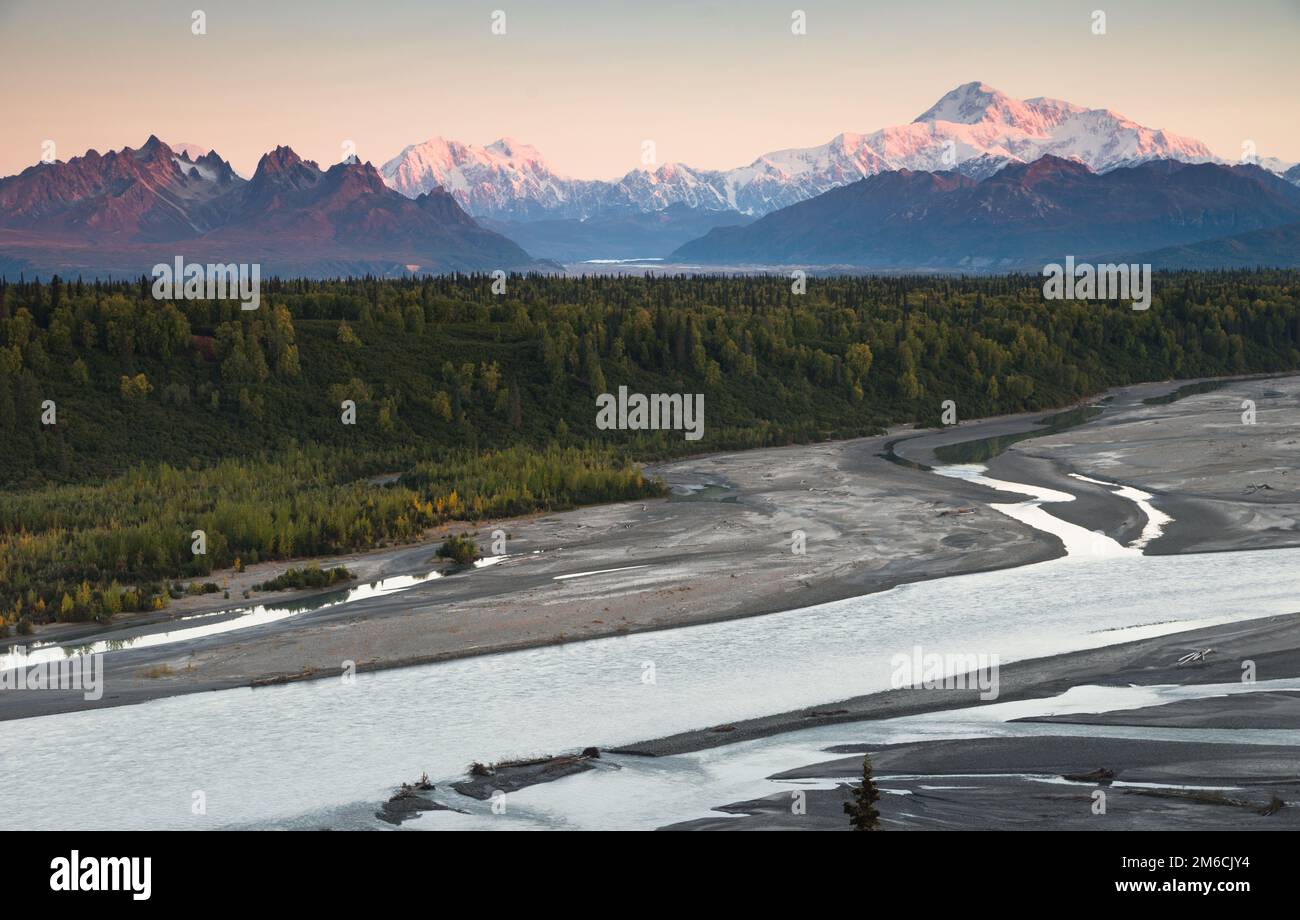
{"x": 249, "y": 748}
{"x": 744, "y": 534}
{"x": 724, "y": 546}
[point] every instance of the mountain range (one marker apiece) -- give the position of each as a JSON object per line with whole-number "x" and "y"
{"x": 124, "y": 211}
{"x": 978, "y": 180}
{"x": 974, "y": 129}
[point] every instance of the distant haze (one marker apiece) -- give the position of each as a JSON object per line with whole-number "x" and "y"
{"x": 712, "y": 84}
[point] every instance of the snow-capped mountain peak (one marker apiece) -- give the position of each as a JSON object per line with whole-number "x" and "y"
{"x": 974, "y": 129}
{"x": 506, "y": 178}
{"x": 513, "y": 151}
{"x": 974, "y": 103}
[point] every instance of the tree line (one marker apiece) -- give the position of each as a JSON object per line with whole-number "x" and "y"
{"x": 128, "y": 422}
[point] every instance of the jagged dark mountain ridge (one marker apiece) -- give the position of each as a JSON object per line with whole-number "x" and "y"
{"x": 120, "y": 213}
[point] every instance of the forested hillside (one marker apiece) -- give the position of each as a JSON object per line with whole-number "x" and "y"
{"x": 172, "y": 416}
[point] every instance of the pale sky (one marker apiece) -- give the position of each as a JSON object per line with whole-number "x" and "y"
{"x": 713, "y": 84}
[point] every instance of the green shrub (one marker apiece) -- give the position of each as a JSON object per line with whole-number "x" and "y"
{"x": 459, "y": 548}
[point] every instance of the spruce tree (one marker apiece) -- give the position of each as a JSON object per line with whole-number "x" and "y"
{"x": 862, "y": 810}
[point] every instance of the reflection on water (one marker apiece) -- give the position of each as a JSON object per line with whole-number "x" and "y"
{"x": 1190, "y": 389}
{"x": 215, "y": 623}
{"x": 1080, "y": 543}
{"x": 888, "y": 454}
{"x": 1156, "y": 519}
{"x": 981, "y": 450}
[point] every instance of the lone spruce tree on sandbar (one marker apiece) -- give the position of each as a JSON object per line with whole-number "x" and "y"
{"x": 862, "y": 810}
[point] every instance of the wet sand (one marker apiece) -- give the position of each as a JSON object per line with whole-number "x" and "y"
{"x": 1227, "y": 484}
{"x": 1025, "y": 802}
{"x": 1178, "y": 780}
